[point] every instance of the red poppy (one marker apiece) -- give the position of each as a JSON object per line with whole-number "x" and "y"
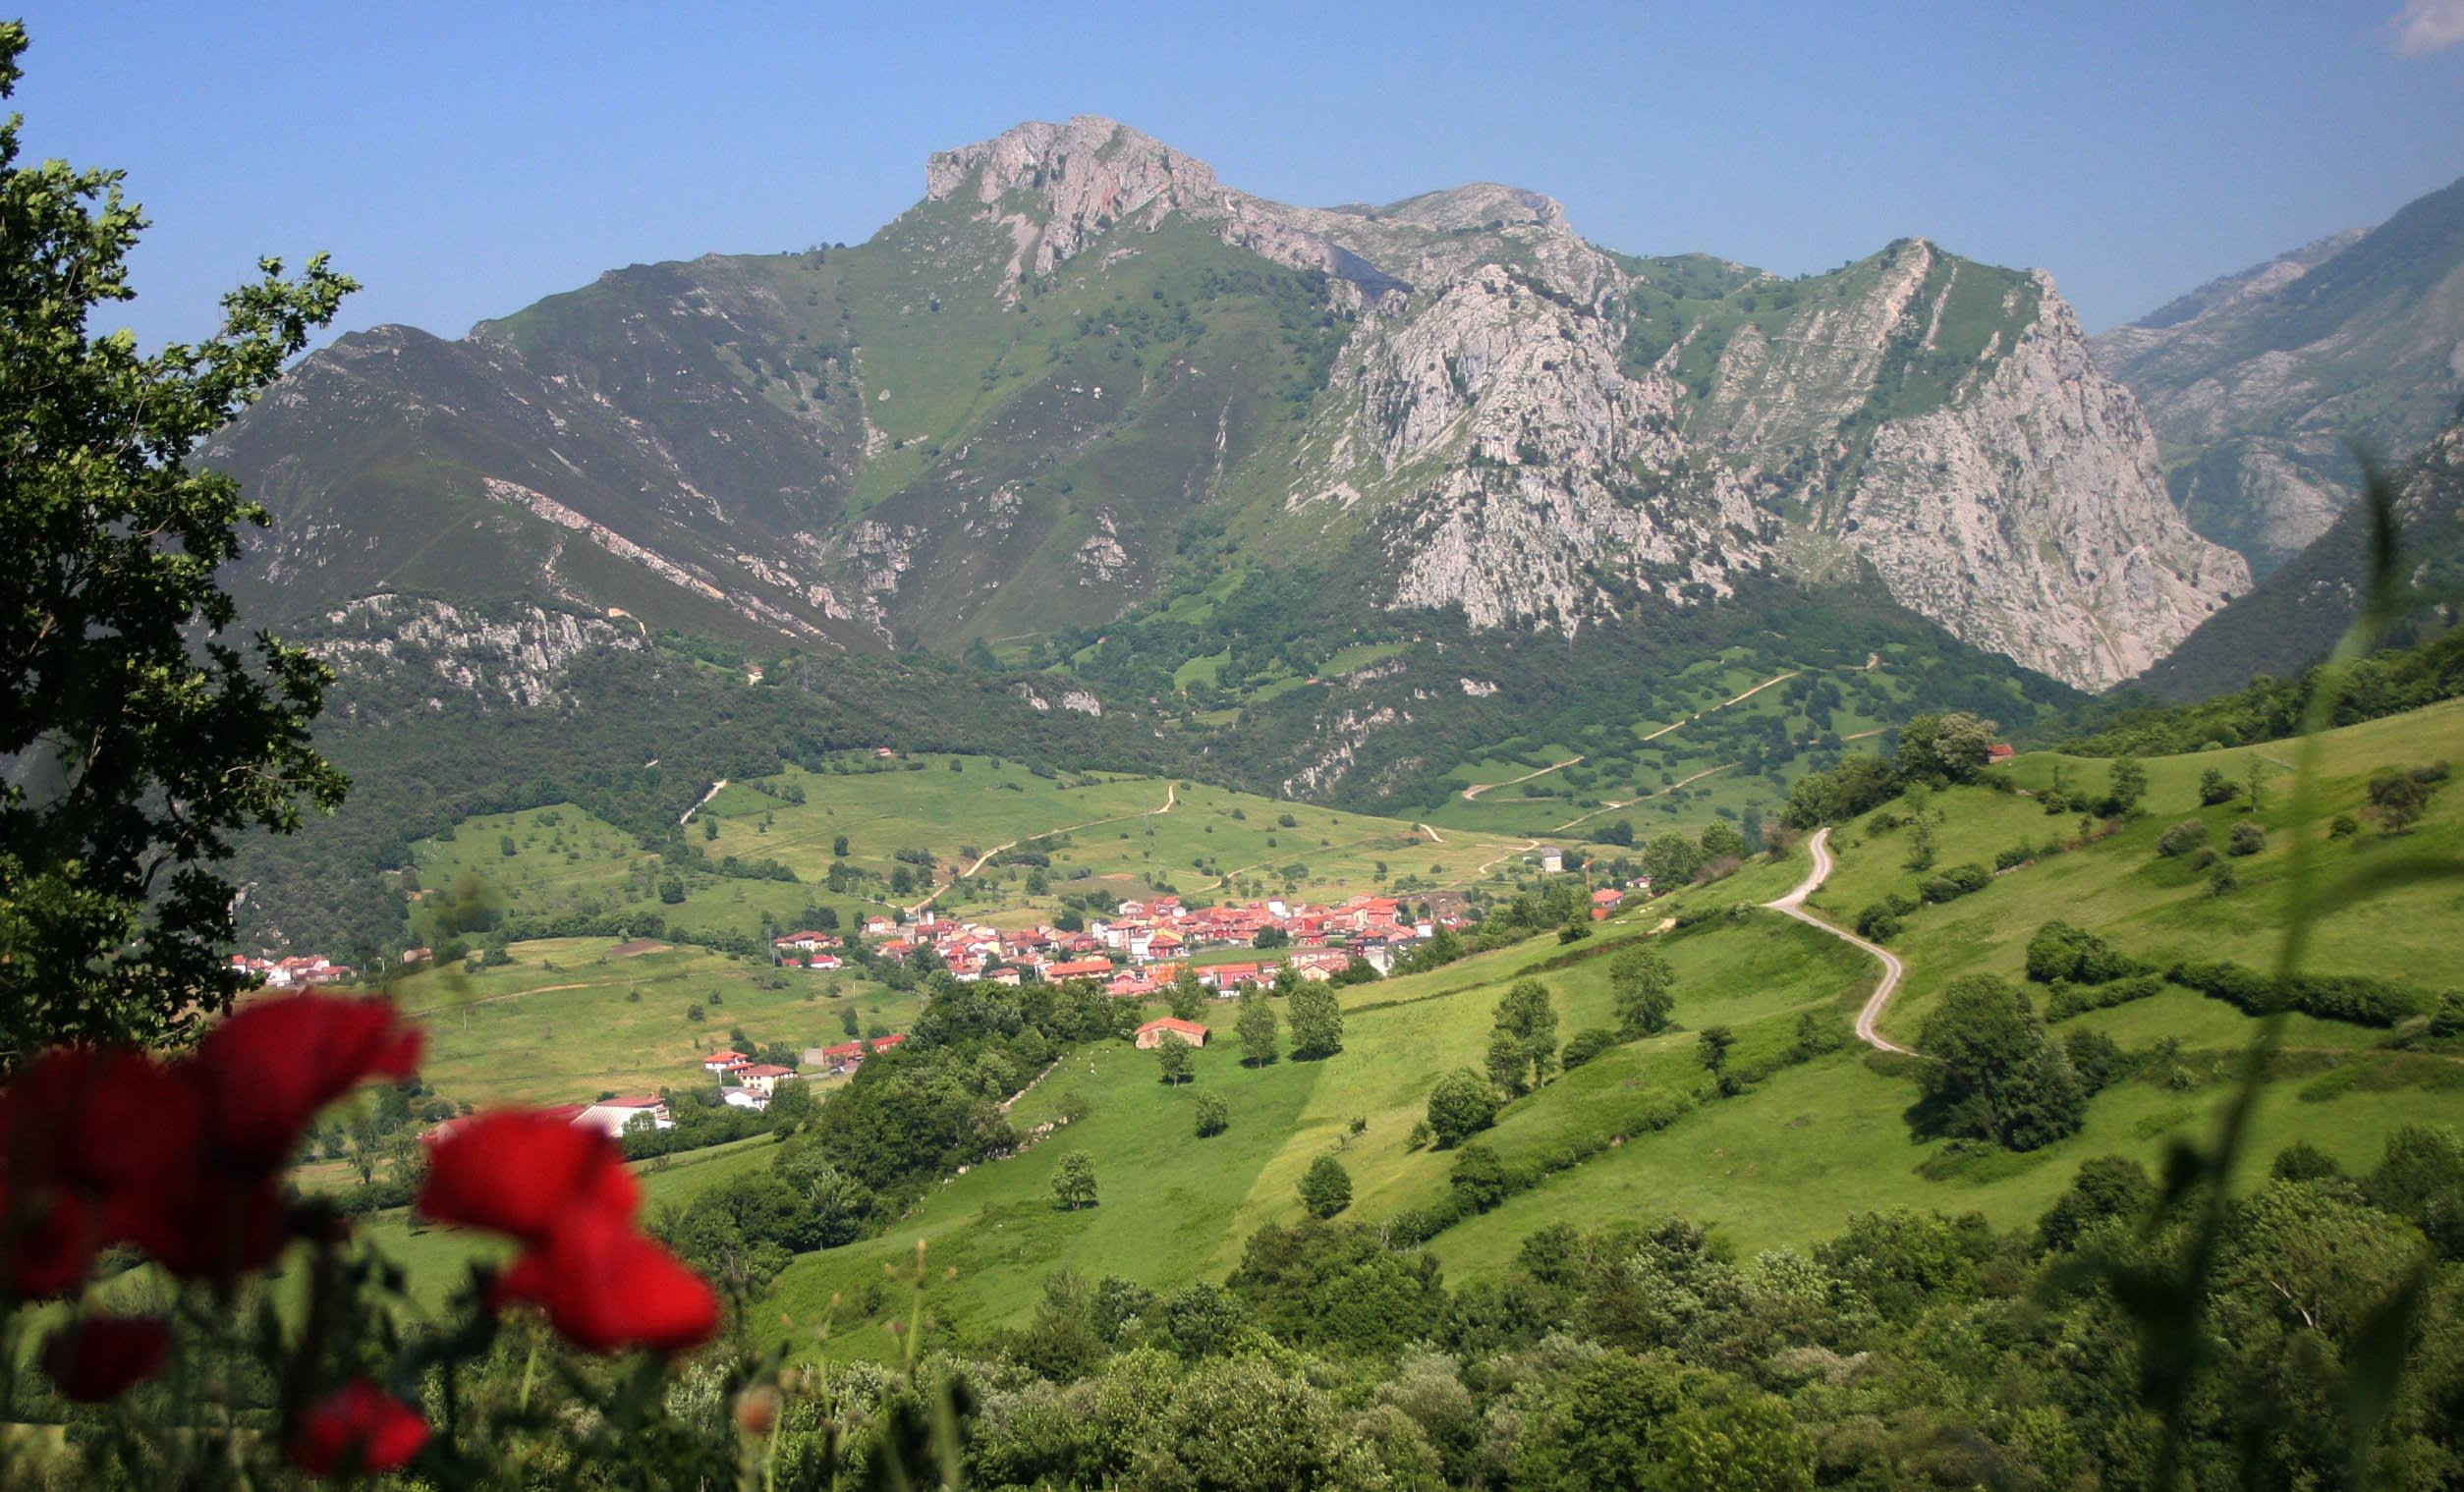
{"x": 521, "y": 1174}
{"x": 68, "y": 1161}
{"x": 606, "y": 1287}
{"x": 49, "y": 1235}
{"x": 360, "y": 1428}
{"x": 208, "y": 1224}
{"x": 266, "y": 1071}
{"x": 102, "y": 1357}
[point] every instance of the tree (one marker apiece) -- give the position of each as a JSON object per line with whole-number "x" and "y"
{"x": 1186, "y": 997}
{"x": 1643, "y": 986}
{"x": 838, "y": 846}
{"x": 1316, "y": 1022}
{"x": 1523, "y": 1052}
{"x": 2215, "y": 787}
{"x": 140, "y": 741}
{"x": 1256, "y": 1025}
{"x": 1948, "y": 747}
{"x": 2125, "y": 783}
{"x": 1721, "y": 841}
{"x": 1325, "y": 1187}
{"x": 1461, "y": 1106}
{"x": 1670, "y": 861}
{"x": 1074, "y": 1181}
{"x": 1711, "y": 1049}
{"x": 2400, "y": 798}
{"x": 1172, "y": 1056}
{"x": 1214, "y": 1115}
{"x": 1996, "y": 1076}
{"x": 1920, "y": 846}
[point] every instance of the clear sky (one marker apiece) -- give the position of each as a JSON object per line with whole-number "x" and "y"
{"x": 464, "y": 159}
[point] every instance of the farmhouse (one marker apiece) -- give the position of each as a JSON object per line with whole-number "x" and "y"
{"x": 1152, "y": 1034}
{"x": 612, "y": 1116}
{"x": 765, "y": 1077}
{"x": 725, "y": 1062}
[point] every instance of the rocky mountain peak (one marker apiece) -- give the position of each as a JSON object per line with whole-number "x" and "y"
{"x": 1490, "y": 205}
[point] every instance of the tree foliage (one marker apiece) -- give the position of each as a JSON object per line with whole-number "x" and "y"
{"x": 1643, "y": 986}
{"x": 1996, "y": 1076}
{"x": 143, "y": 741}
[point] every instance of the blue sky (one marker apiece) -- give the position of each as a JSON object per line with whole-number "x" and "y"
{"x": 463, "y": 160}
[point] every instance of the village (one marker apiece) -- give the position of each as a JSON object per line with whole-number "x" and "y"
{"x": 1141, "y": 951}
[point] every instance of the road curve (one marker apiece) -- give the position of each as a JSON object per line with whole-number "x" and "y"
{"x": 1793, "y": 904}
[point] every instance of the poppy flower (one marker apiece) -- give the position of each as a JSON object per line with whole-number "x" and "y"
{"x": 521, "y": 1174}
{"x": 70, "y": 1161}
{"x": 359, "y": 1427}
{"x": 606, "y": 1287}
{"x": 267, "y": 1070}
{"x": 102, "y": 1357}
{"x": 208, "y": 1223}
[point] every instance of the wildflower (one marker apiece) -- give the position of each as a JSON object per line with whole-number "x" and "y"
{"x": 102, "y": 1357}
{"x": 606, "y": 1287}
{"x": 357, "y": 1428}
{"x": 520, "y": 1174}
{"x": 265, "y": 1072}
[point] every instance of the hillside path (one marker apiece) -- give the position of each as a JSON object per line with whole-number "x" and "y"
{"x": 1172, "y": 797}
{"x": 1793, "y": 904}
{"x": 716, "y": 788}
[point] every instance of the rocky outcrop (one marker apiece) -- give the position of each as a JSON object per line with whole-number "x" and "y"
{"x": 2029, "y": 516}
{"x": 514, "y": 655}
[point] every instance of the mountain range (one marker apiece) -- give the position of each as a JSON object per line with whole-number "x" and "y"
{"x": 1083, "y": 376}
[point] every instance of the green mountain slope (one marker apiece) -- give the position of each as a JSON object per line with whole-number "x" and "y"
{"x": 2292, "y": 617}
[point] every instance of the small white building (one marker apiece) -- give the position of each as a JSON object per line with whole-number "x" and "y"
{"x": 612, "y": 1116}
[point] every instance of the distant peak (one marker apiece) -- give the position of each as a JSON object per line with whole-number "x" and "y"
{"x": 1126, "y": 168}
{"x": 1474, "y": 206}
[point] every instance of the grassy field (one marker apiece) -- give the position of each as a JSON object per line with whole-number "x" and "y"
{"x": 1691, "y": 750}
{"x": 1120, "y": 836}
{"x": 1784, "y": 1164}
{"x": 2157, "y": 908}
{"x": 570, "y": 1019}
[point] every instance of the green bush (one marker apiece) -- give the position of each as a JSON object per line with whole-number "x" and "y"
{"x": 2182, "y": 839}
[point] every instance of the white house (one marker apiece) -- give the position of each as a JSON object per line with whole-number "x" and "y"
{"x": 612, "y": 1116}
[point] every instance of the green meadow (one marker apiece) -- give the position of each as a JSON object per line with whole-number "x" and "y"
{"x": 571, "y": 1018}
{"x": 1785, "y": 1163}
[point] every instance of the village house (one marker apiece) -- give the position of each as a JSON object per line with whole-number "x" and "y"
{"x": 1152, "y": 1034}
{"x": 612, "y": 1116}
{"x": 764, "y": 1077}
{"x": 723, "y": 1062}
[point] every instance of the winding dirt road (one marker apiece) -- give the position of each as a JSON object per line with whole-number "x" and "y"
{"x": 1793, "y": 904}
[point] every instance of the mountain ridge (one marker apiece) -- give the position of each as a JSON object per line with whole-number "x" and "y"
{"x": 973, "y": 427}
{"x": 2262, "y": 383}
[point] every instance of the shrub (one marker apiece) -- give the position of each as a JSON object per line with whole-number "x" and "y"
{"x": 2246, "y": 838}
{"x": 1957, "y": 882}
{"x": 2060, "y": 951}
{"x": 2068, "y": 1000}
{"x": 2182, "y": 839}
{"x": 1214, "y": 1115}
{"x": 1588, "y": 1044}
{"x": 2013, "y": 858}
